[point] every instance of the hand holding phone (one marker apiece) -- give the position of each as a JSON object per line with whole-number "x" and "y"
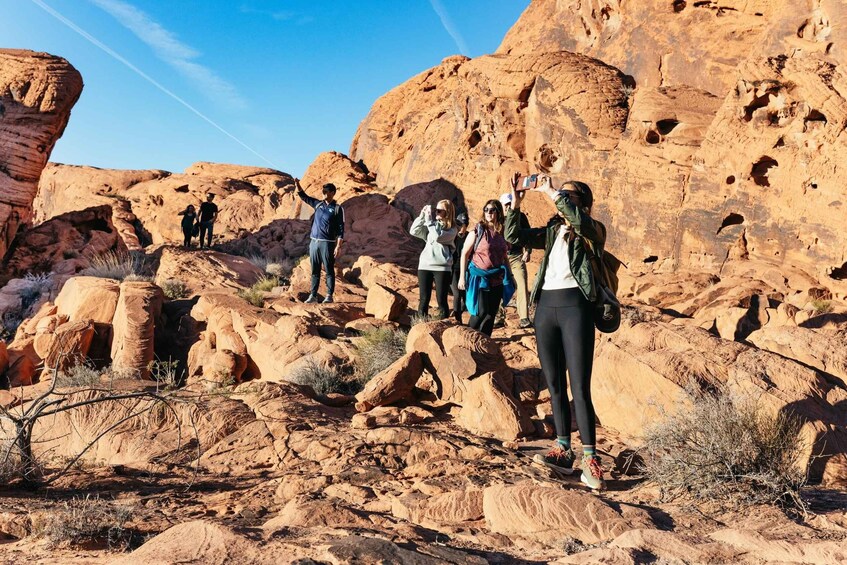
{"x": 528, "y": 182}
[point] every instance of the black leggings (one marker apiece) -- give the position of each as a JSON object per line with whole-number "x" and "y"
{"x": 442, "y": 285}
{"x": 488, "y": 303}
{"x": 187, "y": 234}
{"x": 458, "y": 296}
{"x": 564, "y": 332}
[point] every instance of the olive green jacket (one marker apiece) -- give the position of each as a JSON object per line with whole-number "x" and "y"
{"x": 543, "y": 238}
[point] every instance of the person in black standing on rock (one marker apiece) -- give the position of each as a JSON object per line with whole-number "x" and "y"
{"x": 189, "y": 220}
{"x": 564, "y": 318}
{"x": 459, "y": 295}
{"x": 327, "y": 236}
{"x": 208, "y": 215}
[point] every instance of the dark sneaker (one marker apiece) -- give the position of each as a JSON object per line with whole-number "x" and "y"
{"x": 525, "y": 323}
{"x": 328, "y": 299}
{"x": 312, "y": 298}
{"x": 592, "y": 473}
{"x": 558, "y": 458}
{"x": 500, "y": 323}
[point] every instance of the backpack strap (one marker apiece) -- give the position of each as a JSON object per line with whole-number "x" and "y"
{"x": 479, "y": 233}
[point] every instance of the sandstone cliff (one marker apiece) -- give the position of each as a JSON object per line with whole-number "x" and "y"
{"x": 37, "y": 92}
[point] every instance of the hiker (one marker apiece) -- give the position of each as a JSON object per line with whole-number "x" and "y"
{"x": 327, "y": 236}
{"x": 485, "y": 273}
{"x": 458, "y": 295}
{"x": 208, "y": 216}
{"x": 189, "y": 224}
{"x": 436, "y": 260}
{"x": 564, "y": 321}
{"x": 518, "y": 258}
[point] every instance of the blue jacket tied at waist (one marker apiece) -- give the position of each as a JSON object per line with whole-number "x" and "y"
{"x": 477, "y": 280}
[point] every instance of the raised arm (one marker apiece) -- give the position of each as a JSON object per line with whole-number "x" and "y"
{"x": 418, "y": 228}
{"x": 531, "y": 238}
{"x": 313, "y": 202}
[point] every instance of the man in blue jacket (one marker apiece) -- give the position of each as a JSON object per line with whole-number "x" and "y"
{"x": 327, "y": 236}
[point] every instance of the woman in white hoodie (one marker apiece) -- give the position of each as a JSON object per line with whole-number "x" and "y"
{"x": 436, "y": 261}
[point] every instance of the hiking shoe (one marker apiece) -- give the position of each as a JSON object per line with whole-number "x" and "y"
{"x": 525, "y": 323}
{"x": 500, "y": 323}
{"x": 312, "y": 298}
{"x": 328, "y": 299}
{"x": 592, "y": 473}
{"x": 558, "y": 458}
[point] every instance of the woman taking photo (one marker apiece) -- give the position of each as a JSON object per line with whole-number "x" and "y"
{"x": 436, "y": 260}
{"x": 564, "y": 322}
{"x": 485, "y": 275}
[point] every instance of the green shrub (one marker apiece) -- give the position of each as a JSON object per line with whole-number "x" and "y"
{"x": 34, "y": 288}
{"x": 376, "y": 350}
{"x": 821, "y": 306}
{"x": 253, "y": 296}
{"x": 265, "y": 284}
{"x": 175, "y": 289}
{"x": 166, "y": 373}
{"x": 323, "y": 379}
{"x": 726, "y": 449}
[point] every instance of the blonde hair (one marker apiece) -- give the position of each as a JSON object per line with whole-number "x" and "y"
{"x": 450, "y": 216}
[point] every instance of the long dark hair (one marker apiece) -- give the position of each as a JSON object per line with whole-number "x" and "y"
{"x": 499, "y": 217}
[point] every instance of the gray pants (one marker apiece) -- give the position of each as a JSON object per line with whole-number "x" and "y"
{"x": 322, "y": 254}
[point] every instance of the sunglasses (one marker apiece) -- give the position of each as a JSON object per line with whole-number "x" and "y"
{"x": 490, "y": 210}
{"x": 440, "y": 211}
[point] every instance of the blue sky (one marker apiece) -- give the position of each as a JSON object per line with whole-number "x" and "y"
{"x": 287, "y": 78}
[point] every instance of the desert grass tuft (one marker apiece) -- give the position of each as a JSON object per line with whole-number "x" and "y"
{"x": 376, "y": 349}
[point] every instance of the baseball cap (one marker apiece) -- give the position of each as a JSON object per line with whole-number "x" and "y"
{"x": 506, "y": 199}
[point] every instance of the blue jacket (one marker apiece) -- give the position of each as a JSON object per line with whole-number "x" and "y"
{"x": 478, "y": 281}
{"x": 328, "y": 222}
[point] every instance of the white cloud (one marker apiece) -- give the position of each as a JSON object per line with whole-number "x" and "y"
{"x": 167, "y": 47}
{"x": 449, "y": 27}
{"x": 279, "y": 15}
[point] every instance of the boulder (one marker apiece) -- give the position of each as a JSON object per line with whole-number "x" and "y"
{"x": 70, "y": 345}
{"x": 489, "y": 409}
{"x": 545, "y": 514}
{"x": 392, "y": 384}
{"x": 205, "y": 271}
{"x": 138, "y": 310}
{"x": 88, "y": 298}
{"x": 385, "y": 304}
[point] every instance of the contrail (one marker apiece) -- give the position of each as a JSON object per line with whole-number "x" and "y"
{"x": 449, "y": 27}
{"x": 148, "y": 78}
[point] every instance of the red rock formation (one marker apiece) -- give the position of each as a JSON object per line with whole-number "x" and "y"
{"x": 37, "y": 92}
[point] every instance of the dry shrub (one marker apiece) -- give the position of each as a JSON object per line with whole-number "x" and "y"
{"x": 323, "y": 379}
{"x": 79, "y": 375}
{"x": 120, "y": 266}
{"x": 727, "y": 449}
{"x": 85, "y": 520}
{"x": 10, "y": 461}
{"x": 423, "y": 319}
{"x": 265, "y": 284}
{"x": 821, "y": 306}
{"x": 376, "y": 350}
{"x": 36, "y": 286}
{"x": 174, "y": 289}
{"x": 166, "y": 373}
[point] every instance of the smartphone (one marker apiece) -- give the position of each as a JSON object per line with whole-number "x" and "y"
{"x": 528, "y": 182}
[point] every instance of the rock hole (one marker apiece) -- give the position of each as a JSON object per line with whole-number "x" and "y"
{"x": 814, "y": 118}
{"x": 428, "y": 88}
{"x": 2, "y": 110}
{"x": 546, "y": 158}
{"x": 732, "y": 219}
{"x": 702, "y": 4}
{"x": 400, "y": 133}
{"x": 730, "y": 179}
{"x": 474, "y": 139}
{"x": 666, "y": 126}
{"x": 779, "y": 143}
{"x": 839, "y": 273}
{"x": 758, "y": 102}
{"x": 761, "y": 168}
{"x": 651, "y": 259}
{"x": 41, "y": 149}
{"x": 523, "y": 97}
{"x": 183, "y": 188}
{"x": 652, "y": 137}
{"x": 679, "y": 5}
